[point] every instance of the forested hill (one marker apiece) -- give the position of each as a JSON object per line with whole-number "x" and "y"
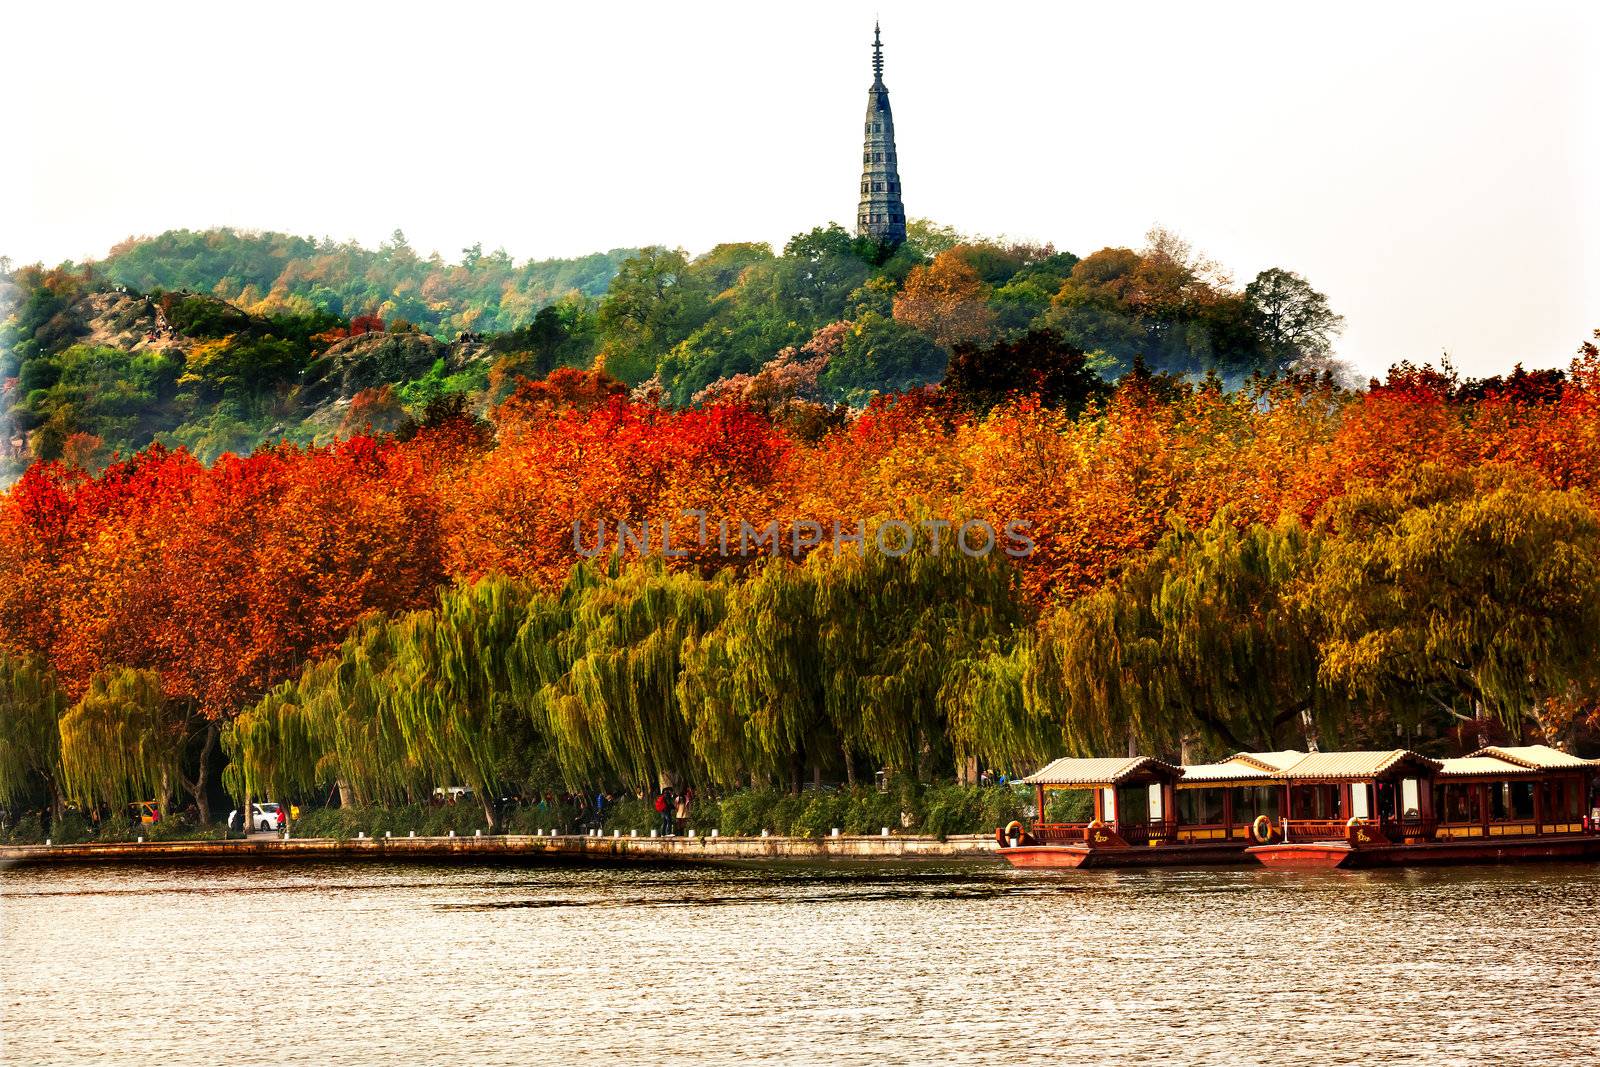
{"x": 222, "y": 340}
{"x": 484, "y": 292}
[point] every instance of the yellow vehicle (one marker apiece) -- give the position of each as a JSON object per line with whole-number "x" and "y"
{"x": 149, "y": 811}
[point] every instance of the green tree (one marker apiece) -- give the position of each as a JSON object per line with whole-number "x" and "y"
{"x": 881, "y": 355}
{"x": 653, "y": 303}
{"x": 1472, "y": 592}
{"x": 30, "y": 741}
{"x": 1203, "y": 638}
{"x": 610, "y": 703}
{"x": 1293, "y": 320}
{"x": 122, "y": 741}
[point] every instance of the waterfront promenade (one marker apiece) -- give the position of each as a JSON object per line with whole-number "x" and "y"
{"x": 511, "y": 846}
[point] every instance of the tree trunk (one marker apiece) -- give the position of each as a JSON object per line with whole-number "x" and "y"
{"x": 849, "y": 766}
{"x": 197, "y": 788}
{"x": 164, "y": 800}
{"x": 488, "y": 810}
{"x": 1309, "y": 724}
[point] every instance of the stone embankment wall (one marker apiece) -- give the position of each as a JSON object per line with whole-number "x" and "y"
{"x": 571, "y": 846}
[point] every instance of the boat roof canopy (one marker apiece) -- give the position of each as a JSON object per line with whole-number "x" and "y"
{"x": 1355, "y": 766}
{"x": 1114, "y": 770}
{"x": 1484, "y": 767}
{"x": 1536, "y": 757}
{"x": 1238, "y": 769}
{"x": 1244, "y": 768}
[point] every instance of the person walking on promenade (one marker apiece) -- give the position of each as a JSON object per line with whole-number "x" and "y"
{"x": 664, "y": 811}
{"x": 680, "y": 813}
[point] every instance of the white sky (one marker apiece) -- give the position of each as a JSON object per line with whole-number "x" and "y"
{"x": 1433, "y": 168}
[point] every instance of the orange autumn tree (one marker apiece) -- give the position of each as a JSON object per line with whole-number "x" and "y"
{"x": 947, "y": 301}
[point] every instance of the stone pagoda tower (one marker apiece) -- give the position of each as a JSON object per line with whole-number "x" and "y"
{"x": 881, "y": 215}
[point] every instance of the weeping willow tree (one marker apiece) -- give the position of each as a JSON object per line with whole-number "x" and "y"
{"x": 892, "y": 629}
{"x": 989, "y": 719}
{"x": 122, "y": 741}
{"x": 1203, "y": 638}
{"x": 451, "y": 685}
{"x": 406, "y": 704}
{"x": 845, "y": 654}
{"x": 754, "y": 688}
{"x": 610, "y": 655}
{"x": 329, "y": 726}
{"x": 30, "y": 739}
{"x": 1474, "y": 593}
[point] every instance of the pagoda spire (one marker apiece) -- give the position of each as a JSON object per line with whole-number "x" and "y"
{"x": 880, "y": 215}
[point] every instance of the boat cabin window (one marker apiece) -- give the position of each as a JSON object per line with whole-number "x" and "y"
{"x": 1201, "y": 807}
{"x": 1069, "y": 805}
{"x": 1358, "y": 801}
{"x": 1410, "y": 799}
{"x": 1315, "y": 802}
{"x": 1563, "y": 800}
{"x": 1385, "y": 801}
{"x": 1511, "y": 800}
{"x": 1250, "y": 801}
{"x": 1457, "y": 803}
{"x": 1153, "y": 802}
{"x": 1133, "y": 804}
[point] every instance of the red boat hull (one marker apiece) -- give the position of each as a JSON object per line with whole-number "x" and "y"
{"x": 1122, "y": 856}
{"x": 1338, "y": 854}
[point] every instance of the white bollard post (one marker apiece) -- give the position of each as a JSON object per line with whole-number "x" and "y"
{"x": 539, "y": 832}
{"x": 413, "y": 833}
{"x": 713, "y": 833}
{"x": 766, "y": 833}
{"x": 633, "y": 833}
{"x": 452, "y": 833}
{"x": 835, "y": 831}
{"x": 655, "y": 833}
{"x": 387, "y": 835}
{"x": 47, "y": 842}
{"x": 885, "y": 831}
{"x": 141, "y": 839}
{"x": 691, "y": 832}
{"x": 616, "y": 833}
{"x": 359, "y": 835}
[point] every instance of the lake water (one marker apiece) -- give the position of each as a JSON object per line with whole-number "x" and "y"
{"x": 968, "y": 964}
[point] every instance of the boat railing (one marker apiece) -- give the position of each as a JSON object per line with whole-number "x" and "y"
{"x": 1393, "y": 830}
{"x": 1134, "y": 833}
{"x": 1060, "y": 833}
{"x": 1154, "y": 832}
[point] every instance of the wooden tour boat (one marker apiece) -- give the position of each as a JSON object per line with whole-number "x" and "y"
{"x": 1318, "y": 809}
{"x": 1396, "y": 808}
{"x": 1142, "y": 812}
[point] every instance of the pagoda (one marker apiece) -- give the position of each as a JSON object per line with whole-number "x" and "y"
{"x": 881, "y": 215}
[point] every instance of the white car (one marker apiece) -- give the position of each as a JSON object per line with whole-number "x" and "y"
{"x": 263, "y": 817}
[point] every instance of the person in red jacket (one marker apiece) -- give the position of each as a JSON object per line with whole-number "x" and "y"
{"x": 664, "y": 811}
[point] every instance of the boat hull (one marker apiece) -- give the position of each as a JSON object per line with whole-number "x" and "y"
{"x": 1328, "y": 855}
{"x": 1122, "y": 856}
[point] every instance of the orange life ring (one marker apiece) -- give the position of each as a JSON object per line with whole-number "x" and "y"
{"x": 1013, "y": 831}
{"x": 1261, "y": 829}
{"x": 1097, "y": 824}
